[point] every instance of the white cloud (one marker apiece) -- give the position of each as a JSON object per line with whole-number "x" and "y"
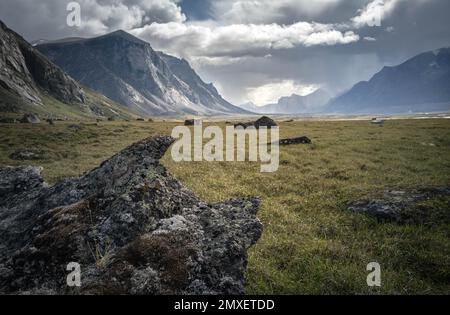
{"x": 268, "y": 11}
{"x": 129, "y": 14}
{"x": 370, "y": 39}
{"x": 238, "y": 40}
{"x": 375, "y": 12}
{"x": 272, "y": 92}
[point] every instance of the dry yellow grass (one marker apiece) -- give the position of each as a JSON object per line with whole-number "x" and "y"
{"x": 311, "y": 243}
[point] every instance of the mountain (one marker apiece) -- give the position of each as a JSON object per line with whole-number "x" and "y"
{"x": 294, "y": 104}
{"x": 128, "y": 70}
{"x": 25, "y": 71}
{"x": 250, "y": 106}
{"x": 30, "y": 82}
{"x": 420, "y": 84}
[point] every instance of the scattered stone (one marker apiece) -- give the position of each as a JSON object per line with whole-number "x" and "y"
{"x": 377, "y": 121}
{"x": 265, "y": 122}
{"x": 262, "y": 122}
{"x": 26, "y": 154}
{"x": 30, "y": 118}
{"x": 189, "y": 122}
{"x": 75, "y": 127}
{"x": 397, "y": 206}
{"x": 50, "y": 121}
{"x": 299, "y": 140}
{"x": 130, "y": 225}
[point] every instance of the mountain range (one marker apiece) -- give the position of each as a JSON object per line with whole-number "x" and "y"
{"x": 421, "y": 84}
{"x": 29, "y": 82}
{"x": 119, "y": 75}
{"x": 294, "y": 104}
{"x": 128, "y": 71}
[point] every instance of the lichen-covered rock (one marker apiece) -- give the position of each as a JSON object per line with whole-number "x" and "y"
{"x": 401, "y": 206}
{"x": 131, "y": 226}
{"x": 292, "y": 141}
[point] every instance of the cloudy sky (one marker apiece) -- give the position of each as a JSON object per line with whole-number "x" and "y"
{"x": 257, "y": 50}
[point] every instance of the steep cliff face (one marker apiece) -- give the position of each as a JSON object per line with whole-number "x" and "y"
{"x": 129, "y": 71}
{"x": 26, "y": 72}
{"x": 132, "y": 227}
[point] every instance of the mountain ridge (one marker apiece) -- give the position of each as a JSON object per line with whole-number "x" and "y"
{"x": 420, "y": 84}
{"x": 129, "y": 71}
{"x": 29, "y": 82}
{"x": 294, "y": 104}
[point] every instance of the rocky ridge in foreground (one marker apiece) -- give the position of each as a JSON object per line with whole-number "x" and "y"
{"x": 132, "y": 227}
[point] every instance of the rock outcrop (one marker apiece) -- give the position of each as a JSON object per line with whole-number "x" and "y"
{"x": 26, "y": 72}
{"x": 131, "y": 226}
{"x": 30, "y": 118}
{"x": 401, "y": 206}
{"x": 292, "y": 141}
{"x": 261, "y": 122}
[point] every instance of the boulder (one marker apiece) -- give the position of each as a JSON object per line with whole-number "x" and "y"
{"x": 399, "y": 206}
{"x": 189, "y": 122}
{"x": 130, "y": 225}
{"x": 262, "y": 122}
{"x": 265, "y": 122}
{"x": 299, "y": 140}
{"x": 30, "y": 118}
{"x": 75, "y": 127}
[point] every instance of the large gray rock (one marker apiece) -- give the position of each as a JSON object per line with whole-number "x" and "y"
{"x": 401, "y": 206}
{"x": 30, "y": 118}
{"x": 131, "y": 226}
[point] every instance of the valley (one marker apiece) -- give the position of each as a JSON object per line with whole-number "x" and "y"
{"x": 312, "y": 243}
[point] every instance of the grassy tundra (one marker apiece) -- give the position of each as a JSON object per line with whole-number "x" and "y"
{"x": 311, "y": 243}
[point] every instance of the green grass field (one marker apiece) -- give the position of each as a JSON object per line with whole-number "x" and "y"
{"x": 311, "y": 243}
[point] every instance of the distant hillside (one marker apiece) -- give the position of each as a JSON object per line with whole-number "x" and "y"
{"x": 29, "y": 82}
{"x": 294, "y": 104}
{"x": 130, "y": 72}
{"x": 421, "y": 84}
{"x": 250, "y": 106}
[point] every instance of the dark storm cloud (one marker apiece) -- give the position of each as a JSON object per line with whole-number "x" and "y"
{"x": 242, "y": 45}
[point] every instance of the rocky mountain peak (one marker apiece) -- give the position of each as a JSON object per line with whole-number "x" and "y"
{"x": 130, "y": 72}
